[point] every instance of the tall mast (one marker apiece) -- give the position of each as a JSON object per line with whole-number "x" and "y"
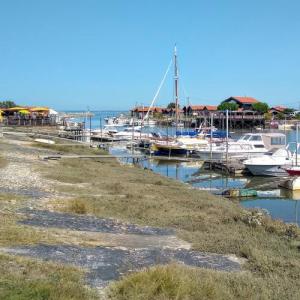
{"x": 176, "y": 78}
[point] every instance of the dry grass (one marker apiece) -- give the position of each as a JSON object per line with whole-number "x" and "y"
{"x": 77, "y": 206}
{"x": 104, "y": 188}
{"x": 32, "y": 280}
{"x": 183, "y": 283}
{"x": 210, "y": 223}
{"x": 3, "y": 162}
{"x": 64, "y": 147}
{"x": 12, "y": 233}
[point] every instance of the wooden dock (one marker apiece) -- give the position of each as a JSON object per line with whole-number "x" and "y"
{"x": 173, "y": 158}
{"x": 231, "y": 167}
{"x": 56, "y": 157}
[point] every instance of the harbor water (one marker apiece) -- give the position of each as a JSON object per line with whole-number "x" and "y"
{"x": 279, "y": 203}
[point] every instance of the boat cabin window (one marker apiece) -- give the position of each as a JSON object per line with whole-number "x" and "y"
{"x": 246, "y": 137}
{"x": 259, "y": 146}
{"x": 279, "y": 140}
{"x": 255, "y": 138}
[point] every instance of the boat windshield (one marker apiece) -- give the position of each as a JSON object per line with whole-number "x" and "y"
{"x": 245, "y": 137}
{"x": 256, "y": 138}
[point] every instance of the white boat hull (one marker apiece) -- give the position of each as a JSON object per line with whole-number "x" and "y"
{"x": 267, "y": 170}
{"x": 220, "y": 155}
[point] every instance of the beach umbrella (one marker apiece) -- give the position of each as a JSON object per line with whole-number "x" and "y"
{"x": 39, "y": 109}
{"x": 24, "y": 112}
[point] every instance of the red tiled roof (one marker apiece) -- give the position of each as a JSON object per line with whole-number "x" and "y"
{"x": 245, "y": 100}
{"x": 197, "y": 107}
{"x": 202, "y": 107}
{"x": 279, "y": 108}
{"x": 146, "y": 108}
{"x": 211, "y": 107}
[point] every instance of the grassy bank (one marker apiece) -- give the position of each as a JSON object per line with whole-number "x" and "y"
{"x": 3, "y": 162}
{"x": 27, "y": 279}
{"x": 179, "y": 282}
{"x": 104, "y": 188}
{"x": 67, "y": 147}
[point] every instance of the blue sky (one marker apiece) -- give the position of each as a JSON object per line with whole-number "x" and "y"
{"x": 70, "y": 54}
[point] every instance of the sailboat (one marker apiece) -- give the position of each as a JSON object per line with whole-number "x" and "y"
{"x": 177, "y": 146}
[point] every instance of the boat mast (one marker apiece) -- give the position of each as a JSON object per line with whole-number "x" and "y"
{"x": 176, "y": 78}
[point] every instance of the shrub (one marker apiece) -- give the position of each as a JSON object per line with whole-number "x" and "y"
{"x": 78, "y": 206}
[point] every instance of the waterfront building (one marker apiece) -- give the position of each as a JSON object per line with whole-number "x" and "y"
{"x": 196, "y": 110}
{"x": 140, "y": 111}
{"x": 244, "y": 103}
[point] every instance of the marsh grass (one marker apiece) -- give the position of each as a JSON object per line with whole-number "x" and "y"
{"x": 11, "y": 232}
{"x": 64, "y": 147}
{"x": 77, "y": 206}
{"x": 30, "y": 279}
{"x": 3, "y": 162}
{"x": 184, "y": 283}
{"x": 209, "y": 223}
{"x": 33, "y": 280}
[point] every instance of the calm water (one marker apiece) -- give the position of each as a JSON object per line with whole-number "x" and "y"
{"x": 280, "y": 204}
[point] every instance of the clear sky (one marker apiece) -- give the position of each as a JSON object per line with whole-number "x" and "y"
{"x": 70, "y": 54}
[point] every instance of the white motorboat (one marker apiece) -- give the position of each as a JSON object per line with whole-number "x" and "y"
{"x": 247, "y": 146}
{"x": 125, "y": 121}
{"x": 132, "y": 133}
{"x": 192, "y": 143}
{"x": 275, "y": 164}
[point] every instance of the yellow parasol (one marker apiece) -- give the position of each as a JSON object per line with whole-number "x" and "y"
{"x": 24, "y": 112}
{"x": 39, "y": 109}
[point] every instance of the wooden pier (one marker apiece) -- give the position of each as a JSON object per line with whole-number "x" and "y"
{"x": 173, "y": 158}
{"x": 56, "y": 157}
{"x": 232, "y": 167}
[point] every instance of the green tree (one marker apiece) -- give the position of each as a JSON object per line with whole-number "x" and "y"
{"x": 288, "y": 111}
{"x": 172, "y": 105}
{"x": 280, "y": 116}
{"x": 260, "y": 107}
{"x": 268, "y": 116}
{"x": 7, "y": 104}
{"x": 228, "y": 106}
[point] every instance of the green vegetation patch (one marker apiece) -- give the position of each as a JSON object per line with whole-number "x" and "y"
{"x": 106, "y": 189}
{"x": 3, "y": 162}
{"x": 33, "y": 280}
{"x": 182, "y": 283}
{"x": 70, "y": 148}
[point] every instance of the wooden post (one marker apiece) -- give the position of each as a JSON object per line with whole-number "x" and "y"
{"x": 211, "y": 133}
{"x": 227, "y": 136}
{"x": 90, "y": 116}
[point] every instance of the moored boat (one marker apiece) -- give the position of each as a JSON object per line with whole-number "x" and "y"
{"x": 270, "y": 165}
{"x": 293, "y": 171}
{"x": 170, "y": 148}
{"x": 248, "y": 146}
